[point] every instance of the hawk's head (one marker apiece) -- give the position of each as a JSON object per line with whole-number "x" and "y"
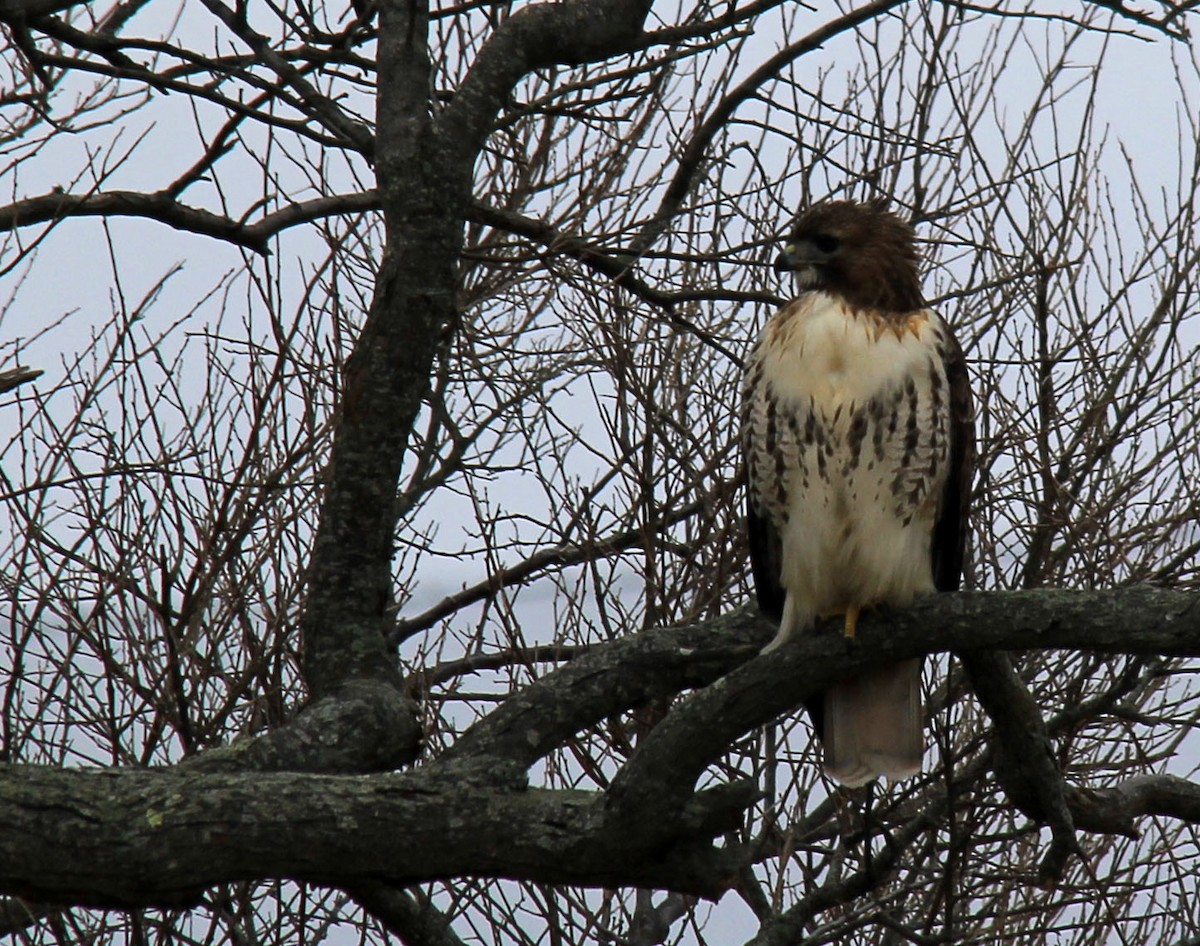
{"x": 862, "y": 252}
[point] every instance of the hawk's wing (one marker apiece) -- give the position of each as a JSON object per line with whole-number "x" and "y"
{"x": 950, "y": 531}
{"x": 766, "y": 556}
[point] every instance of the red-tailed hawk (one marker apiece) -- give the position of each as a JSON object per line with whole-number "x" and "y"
{"x": 859, "y": 441}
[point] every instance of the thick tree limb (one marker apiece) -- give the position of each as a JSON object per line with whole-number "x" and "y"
{"x": 1025, "y": 765}
{"x": 175, "y": 832}
{"x": 626, "y": 673}
{"x": 364, "y": 726}
{"x": 412, "y": 315}
{"x": 1115, "y": 810}
{"x": 407, "y": 914}
{"x": 539, "y": 35}
{"x": 424, "y": 164}
{"x": 140, "y": 837}
{"x": 1131, "y": 620}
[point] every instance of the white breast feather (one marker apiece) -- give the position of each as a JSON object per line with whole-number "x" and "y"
{"x": 855, "y": 524}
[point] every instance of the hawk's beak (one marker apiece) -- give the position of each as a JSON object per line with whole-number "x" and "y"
{"x": 786, "y": 261}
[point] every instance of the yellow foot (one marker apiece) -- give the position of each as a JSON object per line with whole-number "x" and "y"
{"x": 851, "y": 625}
{"x": 849, "y": 617}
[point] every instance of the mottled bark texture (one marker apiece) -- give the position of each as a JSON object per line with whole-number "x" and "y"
{"x": 424, "y": 163}
{"x": 159, "y": 837}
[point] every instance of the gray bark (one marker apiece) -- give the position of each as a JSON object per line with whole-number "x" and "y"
{"x": 158, "y": 837}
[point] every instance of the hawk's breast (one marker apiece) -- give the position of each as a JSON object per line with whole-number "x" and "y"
{"x": 845, "y": 428}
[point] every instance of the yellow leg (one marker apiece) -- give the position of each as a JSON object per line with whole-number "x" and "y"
{"x": 851, "y": 626}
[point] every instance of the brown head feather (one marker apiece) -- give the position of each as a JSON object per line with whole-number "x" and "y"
{"x": 862, "y": 252}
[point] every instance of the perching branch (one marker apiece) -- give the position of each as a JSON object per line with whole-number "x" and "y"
{"x": 470, "y": 812}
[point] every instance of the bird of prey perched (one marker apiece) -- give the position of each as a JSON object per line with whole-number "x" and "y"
{"x": 858, "y": 432}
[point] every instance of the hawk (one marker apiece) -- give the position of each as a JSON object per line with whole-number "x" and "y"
{"x": 858, "y": 433}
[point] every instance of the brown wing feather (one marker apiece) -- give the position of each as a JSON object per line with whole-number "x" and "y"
{"x": 950, "y": 531}
{"x": 766, "y": 558}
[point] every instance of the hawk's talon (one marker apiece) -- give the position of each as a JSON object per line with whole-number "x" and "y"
{"x": 851, "y": 625}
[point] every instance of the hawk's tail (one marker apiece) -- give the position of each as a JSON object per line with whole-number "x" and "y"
{"x": 874, "y": 725}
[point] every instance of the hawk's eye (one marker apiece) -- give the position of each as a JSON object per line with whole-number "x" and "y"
{"x": 826, "y": 243}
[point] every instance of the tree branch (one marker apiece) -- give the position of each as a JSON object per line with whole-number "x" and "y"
{"x": 407, "y": 914}
{"x": 538, "y": 35}
{"x": 1130, "y": 620}
{"x": 364, "y": 726}
{"x": 141, "y": 838}
{"x": 620, "y": 268}
{"x": 24, "y": 10}
{"x": 171, "y": 833}
{"x": 547, "y": 559}
{"x": 12, "y": 378}
{"x": 165, "y": 208}
{"x": 693, "y": 154}
{"x": 161, "y": 207}
{"x": 1025, "y": 764}
{"x": 316, "y": 104}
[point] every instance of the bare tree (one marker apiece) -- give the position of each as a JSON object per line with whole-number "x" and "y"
{"x": 372, "y": 552}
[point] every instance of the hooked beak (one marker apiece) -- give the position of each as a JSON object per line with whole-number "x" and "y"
{"x": 786, "y": 261}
